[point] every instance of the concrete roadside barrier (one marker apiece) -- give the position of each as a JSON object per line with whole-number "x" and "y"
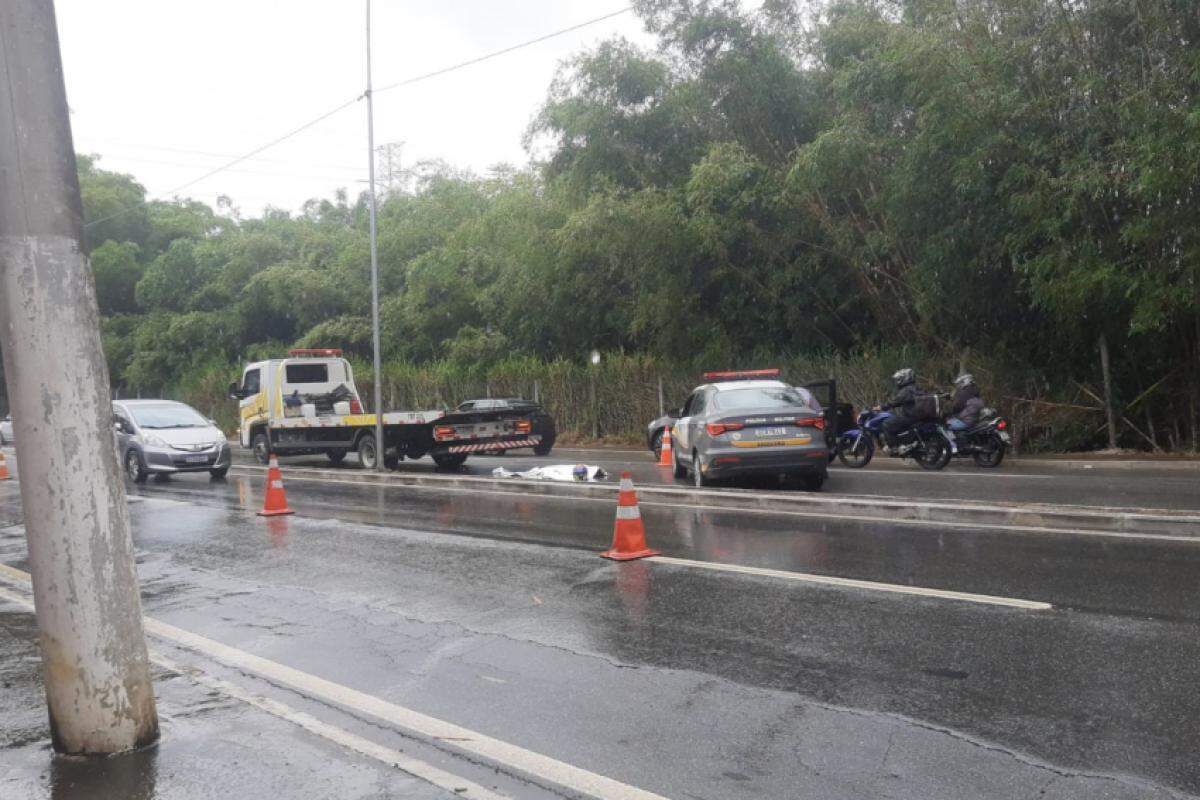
{"x": 1030, "y": 517}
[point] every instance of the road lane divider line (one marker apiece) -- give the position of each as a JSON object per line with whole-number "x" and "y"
{"x": 459, "y": 787}
{"x": 456, "y": 786}
{"x": 824, "y": 515}
{"x": 854, "y": 583}
{"x": 526, "y": 764}
{"x": 943, "y": 474}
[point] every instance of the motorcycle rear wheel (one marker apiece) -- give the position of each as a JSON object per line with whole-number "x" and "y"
{"x": 856, "y": 453}
{"x": 991, "y": 457}
{"x": 933, "y": 454}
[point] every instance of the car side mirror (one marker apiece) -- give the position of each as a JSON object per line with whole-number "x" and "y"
{"x": 675, "y": 412}
{"x": 235, "y": 391}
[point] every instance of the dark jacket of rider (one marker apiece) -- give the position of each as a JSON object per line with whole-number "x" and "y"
{"x": 967, "y": 404}
{"x": 902, "y": 404}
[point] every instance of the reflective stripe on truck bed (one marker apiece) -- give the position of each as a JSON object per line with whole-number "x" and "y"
{"x": 500, "y": 444}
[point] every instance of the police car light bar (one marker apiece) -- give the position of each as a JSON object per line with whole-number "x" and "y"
{"x": 742, "y": 375}
{"x": 320, "y": 352}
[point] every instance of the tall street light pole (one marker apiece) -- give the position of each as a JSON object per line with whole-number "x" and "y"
{"x": 95, "y": 666}
{"x": 380, "y": 444}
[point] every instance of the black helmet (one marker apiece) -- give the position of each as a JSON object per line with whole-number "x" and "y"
{"x": 964, "y": 380}
{"x": 904, "y": 377}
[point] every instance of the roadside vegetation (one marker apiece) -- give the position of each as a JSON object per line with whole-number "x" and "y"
{"x": 1006, "y": 185}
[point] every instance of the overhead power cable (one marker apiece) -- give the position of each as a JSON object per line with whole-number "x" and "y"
{"x": 241, "y": 158}
{"x": 242, "y": 170}
{"x": 140, "y": 147}
{"x": 406, "y": 82}
{"x": 480, "y": 59}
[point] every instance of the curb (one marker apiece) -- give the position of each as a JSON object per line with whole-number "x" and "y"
{"x": 1045, "y": 517}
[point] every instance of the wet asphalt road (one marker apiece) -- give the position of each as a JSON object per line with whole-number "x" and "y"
{"x": 492, "y": 611}
{"x": 1145, "y": 486}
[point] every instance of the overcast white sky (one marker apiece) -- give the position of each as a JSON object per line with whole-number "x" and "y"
{"x": 163, "y": 89}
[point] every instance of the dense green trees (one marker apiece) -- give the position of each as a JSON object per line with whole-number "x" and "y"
{"x": 999, "y": 181}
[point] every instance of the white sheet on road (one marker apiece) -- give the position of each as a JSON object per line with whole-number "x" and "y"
{"x": 555, "y": 472}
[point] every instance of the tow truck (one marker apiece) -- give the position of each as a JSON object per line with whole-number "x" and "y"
{"x": 307, "y": 404}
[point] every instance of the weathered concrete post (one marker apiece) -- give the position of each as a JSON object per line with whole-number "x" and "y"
{"x": 94, "y": 658}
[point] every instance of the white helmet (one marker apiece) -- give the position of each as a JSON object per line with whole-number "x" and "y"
{"x": 903, "y": 377}
{"x": 964, "y": 380}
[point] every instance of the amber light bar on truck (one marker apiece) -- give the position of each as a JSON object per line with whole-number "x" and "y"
{"x": 318, "y": 352}
{"x": 742, "y": 375}
{"x": 524, "y": 426}
{"x": 443, "y": 432}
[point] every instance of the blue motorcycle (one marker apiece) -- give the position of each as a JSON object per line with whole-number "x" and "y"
{"x": 927, "y": 443}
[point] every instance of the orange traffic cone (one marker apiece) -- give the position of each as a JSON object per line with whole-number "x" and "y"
{"x": 275, "y": 499}
{"x": 666, "y": 455}
{"x": 4, "y": 469}
{"x": 629, "y": 536}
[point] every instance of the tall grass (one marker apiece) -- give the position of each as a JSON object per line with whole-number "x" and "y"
{"x": 626, "y": 389}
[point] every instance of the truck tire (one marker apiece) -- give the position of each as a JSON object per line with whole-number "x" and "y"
{"x": 368, "y": 452}
{"x": 391, "y": 460}
{"x": 543, "y": 447}
{"x": 261, "y": 445}
{"x": 449, "y": 460}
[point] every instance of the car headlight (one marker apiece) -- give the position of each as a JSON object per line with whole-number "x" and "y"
{"x": 153, "y": 441}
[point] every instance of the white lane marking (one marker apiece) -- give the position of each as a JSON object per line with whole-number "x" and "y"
{"x": 15, "y": 574}
{"x": 536, "y": 766}
{"x": 824, "y": 515}
{"x": 940, "y": 475}
{"x": 393, "y": 758}
{"x": 419, "y": 769}
{"x": 852, "y": 583}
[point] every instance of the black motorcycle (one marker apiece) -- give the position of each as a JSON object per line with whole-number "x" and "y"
{"x": 986, "y": 441}
{"x": 926, "y": 442}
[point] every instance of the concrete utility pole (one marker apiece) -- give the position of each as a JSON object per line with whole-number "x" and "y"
{"x": 380, "y": 444}
{"x": 95, "y": 666}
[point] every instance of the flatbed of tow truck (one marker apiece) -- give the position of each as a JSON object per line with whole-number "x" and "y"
{"x": 284, "y": 406}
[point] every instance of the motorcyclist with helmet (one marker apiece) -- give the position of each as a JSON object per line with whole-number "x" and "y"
{"x": 902, "y": 406}
{"x": 967, "y": 403}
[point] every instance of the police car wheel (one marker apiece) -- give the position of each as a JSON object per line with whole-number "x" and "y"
{"x": 699, "y": 479}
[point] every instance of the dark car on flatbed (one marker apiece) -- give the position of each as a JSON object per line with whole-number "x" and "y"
{"x": 502, "y": 408}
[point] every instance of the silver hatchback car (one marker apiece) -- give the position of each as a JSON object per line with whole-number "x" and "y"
{"x": 161, "y": 437}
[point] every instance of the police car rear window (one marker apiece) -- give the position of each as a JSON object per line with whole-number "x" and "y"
{"x": 765, "y": 397}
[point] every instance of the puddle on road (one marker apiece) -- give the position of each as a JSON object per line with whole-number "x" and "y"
{"x": 131, "y": 776}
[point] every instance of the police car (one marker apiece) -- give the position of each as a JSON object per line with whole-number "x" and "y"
{"x": 750, "y": 423}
